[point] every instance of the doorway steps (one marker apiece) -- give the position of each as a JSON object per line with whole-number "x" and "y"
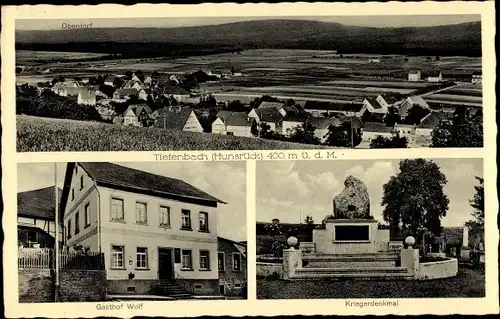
{"x": 173, "y": 289}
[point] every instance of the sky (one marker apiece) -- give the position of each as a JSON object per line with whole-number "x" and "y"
{"x": 369, "y": 21}
{"x": 291, "y": 190}
{"x": 224, "y": 180}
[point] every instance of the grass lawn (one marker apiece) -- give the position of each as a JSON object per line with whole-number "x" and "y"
{"x": 468, "y": 283}
{"x": 38, "y": 134}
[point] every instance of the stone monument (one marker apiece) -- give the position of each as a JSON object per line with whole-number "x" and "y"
{"x": 351, "y": 229}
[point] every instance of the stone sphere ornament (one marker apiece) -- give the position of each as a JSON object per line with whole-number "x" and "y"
{"x": 292, "y": 241}
{"x": 410, "y": 241}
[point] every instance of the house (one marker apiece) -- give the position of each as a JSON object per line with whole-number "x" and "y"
{"x": 348, "y": 109}
{"x": 233, "y": 123}
{"x": 414, "y": 75}
{"x": 178, "y": 118}
{"x": 124, "y": 94}
{"x": 152, "y": 229}
{"x": 106, "y": 113}
{"x": 232, "y": 266}
{"x": 86, "y": 97}
{"x": 175, "y": 92}
{"x": 405, "y": 130}
{"x": 429, "y": 122}
{"x": 138, "y": 115}
{"x": 434, "y": 76}
{"x": 58, "y": 88}
{"x": 410, "y": 102}
{"x": 292, "y": 120}
{"x": 143, "y": 94}
{"x": 372, "y": 130}
{"x": 269, "y": 116}
{"x": 277, "y": 105}
{"x": 376, "y": 105}
{"x": 477, "y": 77}
{"x": 321, "y": 126}
{"x": 36, "y": 220}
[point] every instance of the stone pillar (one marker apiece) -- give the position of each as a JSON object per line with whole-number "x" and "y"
{"x": 465, "y": 237}
{"x": 410, "y": 260}
{"x": 465, "y": 250}
{"x": 292, "y": 259}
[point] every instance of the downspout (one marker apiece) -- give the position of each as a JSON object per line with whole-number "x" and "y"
{"x": 98, "y": 216}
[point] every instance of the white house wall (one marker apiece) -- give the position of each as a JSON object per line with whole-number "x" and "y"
{"x": 192, "y": 124}
{"x": 132, "y": 235}
{"x": 218, "y": 127}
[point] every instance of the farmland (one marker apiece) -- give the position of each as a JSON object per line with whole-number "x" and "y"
{"x": 36, "y": 134}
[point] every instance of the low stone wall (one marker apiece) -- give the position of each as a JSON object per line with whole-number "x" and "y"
{"x": 308, "y": 247}
{"x": 438, "y": 269}
{"x": 38, "y": 285}
{"x": 82, "y": 285}
{"x": 269, "y": 270}
{"x": 35, "y": 285}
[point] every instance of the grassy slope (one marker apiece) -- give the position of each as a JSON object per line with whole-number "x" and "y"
{"x": 468, "y": 283}
{"x": 36, "y": 134}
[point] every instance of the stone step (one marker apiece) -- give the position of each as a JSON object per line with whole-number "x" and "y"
{"x": 359, "y": 276}
{"x": 181, "y": 296}
{"x": 349, "y": 258}
{"x": 353, "y": 270}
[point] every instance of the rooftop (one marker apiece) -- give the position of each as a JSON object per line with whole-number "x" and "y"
{"x": 431, "y": 120}
{"x": 38, "y": 203}
{"x": 271, "y": 115}
{"x": 373, "y": 102}
{"x": 173, "y": 117}
{"x": 377, "y": 127}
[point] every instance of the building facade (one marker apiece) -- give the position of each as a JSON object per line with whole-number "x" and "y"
{"x": 150, "y": 228}
{"x": 232, "y": 266}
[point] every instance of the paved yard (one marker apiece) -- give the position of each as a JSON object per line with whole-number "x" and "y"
{"x": 468, "y": 283}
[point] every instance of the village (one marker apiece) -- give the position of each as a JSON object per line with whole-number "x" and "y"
{"x": 187, "y": 102}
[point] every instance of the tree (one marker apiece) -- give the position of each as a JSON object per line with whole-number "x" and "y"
{"x": 236, "y": 106}
{"x": 139, "y": 75}
{"x": 406, "y": 60}
{"x": 254, "y": 129}
{"x": 305, "y": 134}
{"x": 117, "y": 82}
{"x": 265, "y": 131}
{"x": 415, "y": 115}
{"x": 438, "y": 58}
{"x": 309, "y": 220}
{"x": 464, "y": 130}
{"x": 343, "y": 136}
{"x": 396, "y": 141}
{"x": 476, "y": 225}
{"x": 392, "y": 117}
{"x": 106, "y": 89}
{"x": 369, "y": 117}
{"x": 414, "y": 199}
{"x": 290, "y": 102}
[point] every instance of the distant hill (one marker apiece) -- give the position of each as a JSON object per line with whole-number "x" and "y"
{"x": 458, "y": 39}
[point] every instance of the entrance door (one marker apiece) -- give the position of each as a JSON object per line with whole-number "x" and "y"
{"x": 222, "y": 289}
{"x": 165, "y": 264}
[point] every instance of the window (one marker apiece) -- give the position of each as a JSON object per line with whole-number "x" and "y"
{"x": 69, "y": 228}
{"x": 87, "y": 214}
{"x": 236, "y": 262}
{"x": 117, "y": 253}
{"x": 237, "y": 286}
{"x": 142, "y": 258}
{"x": 164, "y": 216}
{"x": 117, "y": 209}
{"x": 204, "y": 260}
{"x": 77, "y": 223}
{"x": 141, "y": 213}
{"x": 186, "y": 259}
{"x": 81, "y": 182}
{"x": 222, "y": 265}
{"x": 72, "y": 194}
{"x": 203, "y": 221}
{"x": 186, "y": 219}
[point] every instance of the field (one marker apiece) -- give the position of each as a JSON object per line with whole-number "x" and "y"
{"x": 468, "y": 283}
{"x": 36, "y": 134}
{"x": 298, "y": 74}
{"x": 34, "y": 57}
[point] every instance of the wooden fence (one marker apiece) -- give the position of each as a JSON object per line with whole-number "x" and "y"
{"x": 45, "y": 258}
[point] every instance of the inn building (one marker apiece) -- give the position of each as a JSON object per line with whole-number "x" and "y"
{"x": 152, "y": 229}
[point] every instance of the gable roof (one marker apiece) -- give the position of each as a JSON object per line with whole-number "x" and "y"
{"x": 346, "y": 107}
{"x": 173, "y": 117}
{"x": 238, "y": 119}
{"x": 138, "y": 108}
{"x": 38, "y": 203}
{"x": 434, "y": 73}
{"x": 133, "y": 180}
{"x": 223, "y": 114}
{"x": 431, "y": 120}
{"x": 377, "y": 127}
{"x": 269, "y": 115}
{"x": 297, "y": 117}
{"x": 128, "y": 91}
{"x": 110, "y": 78}
{"x": 269, "y": 105}
{"x": 373, "y": 102}
{"x": 174, "y": 90}
{"x": 417, "y": 99}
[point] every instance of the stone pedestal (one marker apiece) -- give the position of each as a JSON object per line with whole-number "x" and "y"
{"x": 292, "y": 259}
{"x": 410, "y": 260}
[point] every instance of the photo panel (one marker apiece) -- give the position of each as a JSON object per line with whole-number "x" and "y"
{"x": 363, "y": 229}
{"x": 131, "y": 231}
